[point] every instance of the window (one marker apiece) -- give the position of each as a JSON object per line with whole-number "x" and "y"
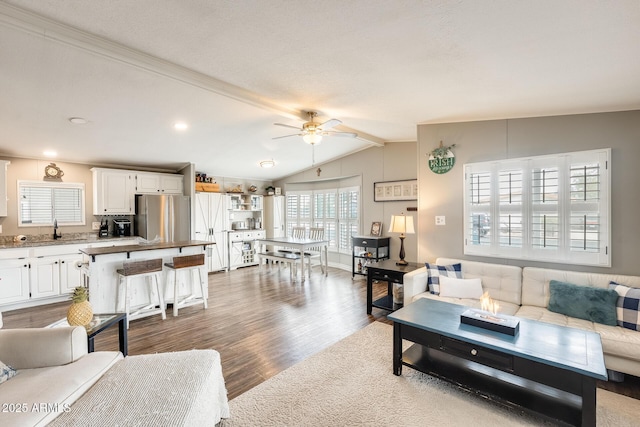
{"x": 43, "y": 202}
{"x": 547, "y": 208}
{"x": 335, "y": 210}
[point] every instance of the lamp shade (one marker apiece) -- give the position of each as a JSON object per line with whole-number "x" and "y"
{"x": 401, "y": 224}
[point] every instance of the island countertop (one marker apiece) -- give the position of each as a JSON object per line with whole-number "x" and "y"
{"x": 93, "y": 252}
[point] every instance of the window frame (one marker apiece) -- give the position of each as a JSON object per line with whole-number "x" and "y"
{"x": 488, "y": 217}
{"x": 335, "y": 225}
{"x": 52, "y": 185}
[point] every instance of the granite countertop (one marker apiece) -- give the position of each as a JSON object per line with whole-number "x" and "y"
{"x": 34, "y": 241}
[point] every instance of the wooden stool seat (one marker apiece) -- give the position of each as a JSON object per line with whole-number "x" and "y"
{"x": 150, "y": 269}
{"x": 190, "y": 264}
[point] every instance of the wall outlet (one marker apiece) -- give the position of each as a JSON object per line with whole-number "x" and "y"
{"x": 440, "y": 220}
{"x": 95, "y": 226}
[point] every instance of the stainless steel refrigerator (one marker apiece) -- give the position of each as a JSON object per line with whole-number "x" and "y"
{"x": 165, "y": 216}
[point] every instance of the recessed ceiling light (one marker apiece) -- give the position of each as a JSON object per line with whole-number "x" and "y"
{"x": 180, "y": 126}
{"x": 78, "y": 120}
{"x": 49, "y": 153}
{"x": 267, "y": 164}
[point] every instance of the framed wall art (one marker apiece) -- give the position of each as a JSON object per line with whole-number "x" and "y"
{"x": 392, "y": 191}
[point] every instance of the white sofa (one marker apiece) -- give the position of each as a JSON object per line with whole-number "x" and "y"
{"x": 59, "y": 383}
{"x": 54, "y": 369}
{"x": 524, "y": 292}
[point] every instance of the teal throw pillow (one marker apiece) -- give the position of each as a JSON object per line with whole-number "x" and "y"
{"x": 583, "y": 302}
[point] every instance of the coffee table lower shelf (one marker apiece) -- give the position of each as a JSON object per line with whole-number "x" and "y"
{"x": 501, "y": 387}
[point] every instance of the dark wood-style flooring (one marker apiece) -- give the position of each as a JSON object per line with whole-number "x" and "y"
{"x": 260, "y": 323}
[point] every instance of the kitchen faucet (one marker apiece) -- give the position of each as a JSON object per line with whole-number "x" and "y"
{"x": 56, "y": 236}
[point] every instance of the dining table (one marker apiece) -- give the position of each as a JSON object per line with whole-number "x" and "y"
{"x": 301, "y": 245}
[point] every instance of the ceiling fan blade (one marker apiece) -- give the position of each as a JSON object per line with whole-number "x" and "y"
{"x": 287, "y": 136}
{"x": 287, "y": 126}
{"x": 342, "y": 134}
{"x": 330, "y": 123}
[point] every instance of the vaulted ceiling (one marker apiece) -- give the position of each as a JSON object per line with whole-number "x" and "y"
{"x": 231, "y": 69}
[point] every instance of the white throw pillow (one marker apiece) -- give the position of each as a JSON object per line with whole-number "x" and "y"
{"x": 460, "y": 288}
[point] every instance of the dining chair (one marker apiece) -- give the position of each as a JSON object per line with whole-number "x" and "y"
{"x": 315, "y": 233}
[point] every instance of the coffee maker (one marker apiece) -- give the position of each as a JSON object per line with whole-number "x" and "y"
{"x": 121, "y": 227}
{"x": 104, "y": 228}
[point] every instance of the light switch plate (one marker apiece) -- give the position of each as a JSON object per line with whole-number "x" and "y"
{"x": 440, "y": 220}
{"x": 95, "y": 226}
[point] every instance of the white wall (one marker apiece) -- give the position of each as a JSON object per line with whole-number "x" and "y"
{"x": 504, "y": 139}
{"x": 394, "y": 161}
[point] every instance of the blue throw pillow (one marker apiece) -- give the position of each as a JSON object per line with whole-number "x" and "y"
{"x": 627, "y": 306}
{"x": 435, "y": 271}
{"x": 583, "y": 302}
{"x": 6, "y": 372}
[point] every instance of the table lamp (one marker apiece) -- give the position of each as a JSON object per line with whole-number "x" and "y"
{"x": 401, "y": 224}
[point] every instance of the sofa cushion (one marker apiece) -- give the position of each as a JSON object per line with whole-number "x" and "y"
{"x": 460, "y": 288}
{"x": 6, "y": 372}
{"x": 57, "y": 387}
{"x": 535, "y": 282}
{"x": 435, "y": 271}
{"x": 628, "y": 306}
{"x": 502, "y": 282}
{"x": 584, "y": 302}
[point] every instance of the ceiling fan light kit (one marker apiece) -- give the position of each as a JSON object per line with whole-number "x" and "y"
{"x": 312, "y": 138}
{"x": 312, "y": 132}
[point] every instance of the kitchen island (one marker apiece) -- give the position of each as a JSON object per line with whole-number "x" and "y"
{"x": 101, "y": 264}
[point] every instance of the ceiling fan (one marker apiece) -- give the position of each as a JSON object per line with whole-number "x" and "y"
{"x": 312, "y": 132}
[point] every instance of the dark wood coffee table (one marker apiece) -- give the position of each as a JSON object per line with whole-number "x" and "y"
{"x": 548, "y": 369}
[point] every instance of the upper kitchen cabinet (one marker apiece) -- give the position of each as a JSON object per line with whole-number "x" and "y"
{"x": 113, "y": 192}
{"x": 3, "y": 187}
{"x": 158, "y": 183}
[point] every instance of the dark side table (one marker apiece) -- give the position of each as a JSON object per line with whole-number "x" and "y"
{"x": 386, "y": 271}
{"x": 99, "y": 323}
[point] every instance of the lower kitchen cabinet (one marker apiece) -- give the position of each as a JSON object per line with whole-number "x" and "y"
{"x": 38, "y": 275}
{"x": 242, "y": 248}
{"x": 70, "y": 275}
{"x": 44, "y": 276}
{"x": 14, "y": 280}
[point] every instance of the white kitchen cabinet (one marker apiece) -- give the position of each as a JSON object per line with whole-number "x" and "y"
{"x": 70, "y": 276}
{"x": 3, "y": 187}
{"x": 274, "y": 217}
{"x": 242, "y": 247}
{"x": 14, "y": 280}
{"x": 211, "y": 217}
{"x": 171, "y": 184}
{"x": 158, "y": 183}
{"x": 113, "y": 192}
{"x": 44, "y": 276}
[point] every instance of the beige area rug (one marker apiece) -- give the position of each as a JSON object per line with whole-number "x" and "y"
{"x": 351, "y": 384}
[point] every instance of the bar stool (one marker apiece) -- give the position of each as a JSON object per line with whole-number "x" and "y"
{"x": 188, "y": 264}
{"x": 150, "y": 270}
